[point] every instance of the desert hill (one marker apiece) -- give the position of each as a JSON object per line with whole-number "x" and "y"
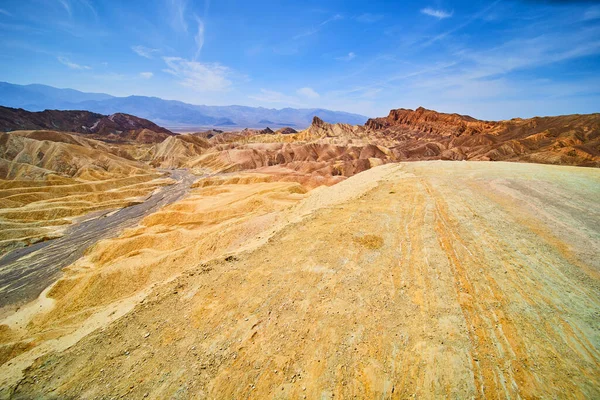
{"x": 419, "y": 279}
{"x": 116, "y": 127}
{"x": 340, "y": 150}
{"x": 48, "y": 178}
{"x": 289, "y": 264}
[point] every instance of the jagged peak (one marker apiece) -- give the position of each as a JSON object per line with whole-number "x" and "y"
{"x": 318, "y": 122}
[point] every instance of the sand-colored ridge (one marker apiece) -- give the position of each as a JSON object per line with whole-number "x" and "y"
{"x": 428, "y": 279}
{"x": 48, "y": 178}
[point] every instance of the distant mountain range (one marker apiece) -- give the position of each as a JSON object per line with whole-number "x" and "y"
{"x": 170, "y": 113}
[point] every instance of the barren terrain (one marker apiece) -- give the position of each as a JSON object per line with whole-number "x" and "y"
{"x": 311, "y": 264}
{"x": 26, "y": 272}
{"x": 426, "y": 279}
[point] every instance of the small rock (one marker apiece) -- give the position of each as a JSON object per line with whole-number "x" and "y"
{"x": 147, "y": 334}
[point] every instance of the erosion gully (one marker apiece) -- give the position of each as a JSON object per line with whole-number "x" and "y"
{"x": 26, "y": 272}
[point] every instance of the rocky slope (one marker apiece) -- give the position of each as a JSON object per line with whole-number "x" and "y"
{"x": 48, "y": 178}
{"x": 425, "y": 280}
{"x": 112, "y": 128}
{"x": 327, "y": 153}
{"x": 425, "y": 134}
{"x": 176, "y": 151}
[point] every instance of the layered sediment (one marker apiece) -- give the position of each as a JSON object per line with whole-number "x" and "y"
{"x": 426, "y": 279}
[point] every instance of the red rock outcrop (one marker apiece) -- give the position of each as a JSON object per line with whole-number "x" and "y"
{"x": 425, "y": 134}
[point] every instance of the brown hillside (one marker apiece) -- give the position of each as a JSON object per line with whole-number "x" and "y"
{"x": 113, "y": 128}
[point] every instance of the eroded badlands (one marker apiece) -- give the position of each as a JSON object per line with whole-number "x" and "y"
{"x": 427, "y": 279}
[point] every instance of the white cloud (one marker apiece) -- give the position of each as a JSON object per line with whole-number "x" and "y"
{"x": 317, "y": 28}
{"x": 146, "y": 75}
{"x": 481, "y": 14}
{"x": 199, "y": 38}
{"x": 336, "y": 17}
{"x": 308, "y": 92}
{"x": 524, "y": 53}
{"x": 486, "y": 74}
{"x": 349, "y": 57}
{"x": 178, "y": 15}
{"x": 144, "y": 51}
{"x": 72, "y": 65}
{"x": 67, "y": 6}
{"x": 440, "y": 14}
{"x": 3, "y": 11}
{"x": 90, "y": 7}
{"x": 202, "y": 77}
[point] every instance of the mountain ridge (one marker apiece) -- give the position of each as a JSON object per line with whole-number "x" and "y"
{"x": 172, "y": 113}
{"x": 116, "y": 127}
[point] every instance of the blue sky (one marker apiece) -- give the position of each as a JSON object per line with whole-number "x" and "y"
{"x": 492, "y": 60}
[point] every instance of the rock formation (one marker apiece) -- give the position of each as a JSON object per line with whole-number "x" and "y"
{"x": 48, "y": 178}
{"x": 425, "y": 135}
{"x": 295, "y": 264}
{"x": 286, "y": 131}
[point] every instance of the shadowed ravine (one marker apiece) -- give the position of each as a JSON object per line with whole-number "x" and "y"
{"x": 26, "y": 272}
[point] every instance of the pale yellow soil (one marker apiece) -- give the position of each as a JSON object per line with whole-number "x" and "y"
{"x": 31, "y": 211}
{"x": 426, "y": 279}
{"x": 48, "y": 179}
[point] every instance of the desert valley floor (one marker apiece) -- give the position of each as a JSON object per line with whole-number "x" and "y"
{"x": 337, "y": 262}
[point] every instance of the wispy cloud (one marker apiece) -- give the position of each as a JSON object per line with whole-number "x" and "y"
{"x": 90, "y": 7}
{"x": 146, "y": 75}
{"x": 349, "y": 57}
{"x": 481, "y": 13}
{"x": 308, "y": 92}
{"x": 368, "y": 18}
{"x": 199, "y": 38}
{"x": 488, "y": 74}
{"x": 144, "y": 51}
{"x": 4, "y": 12}
{"x": 531, "y": 52}
{"x": 72, "y": 5}
{"x": 202, "y": 77}
{"x": 316, "y": 29}
{"x": 72, "y": 65}
{"x": 178, "y": 10}
{"x": 67, "y": 6}
{"x": 440, "y": 14}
